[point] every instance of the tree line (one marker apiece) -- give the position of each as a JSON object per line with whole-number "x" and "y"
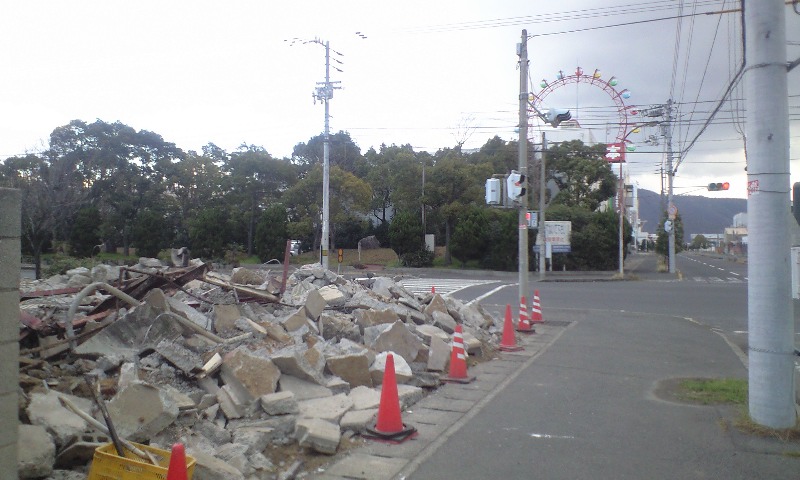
{"x": 105, "y": 186}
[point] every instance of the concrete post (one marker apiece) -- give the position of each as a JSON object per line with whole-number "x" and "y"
{"x": 10, "y": 229}
{"x": 770, "y": 315}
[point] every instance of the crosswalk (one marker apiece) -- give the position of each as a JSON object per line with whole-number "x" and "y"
{"x": 444, "y": 286}
{"x": 718, "y": 279}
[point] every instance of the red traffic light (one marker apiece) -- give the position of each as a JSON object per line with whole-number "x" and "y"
{"x": 713, "y": 187}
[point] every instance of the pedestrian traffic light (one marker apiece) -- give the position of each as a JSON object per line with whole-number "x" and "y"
{"x": 515, "y": 185}
{"x": 713, "y": 187}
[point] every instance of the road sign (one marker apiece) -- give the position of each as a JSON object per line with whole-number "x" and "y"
{"x": 533, "y": 219}
{"x": 672, "y": 210}
{"x": 615, "y": 153}
{"x": 341, "y": 255}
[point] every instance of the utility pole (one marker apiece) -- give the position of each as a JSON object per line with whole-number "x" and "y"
{"x": 540, "y": 237}
{"x": 324, "y": 92}
{"x": 523, "y": 167}
{"x": 770, "y": 315}
{"x": 670, "y": 176}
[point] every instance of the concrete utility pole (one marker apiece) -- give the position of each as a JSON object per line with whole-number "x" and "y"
{"x": 770, "y": 309}
{"x": 523, "y": 167}
{"x": 670, "y": 176}
{"x": 324, "y": 92}
{"x": 540, "y": 237}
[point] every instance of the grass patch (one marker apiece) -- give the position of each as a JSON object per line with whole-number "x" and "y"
{"x": 709, "y": 391}
{"x": 746, "y": 424}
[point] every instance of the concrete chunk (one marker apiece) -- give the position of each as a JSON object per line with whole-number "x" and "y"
{"x": 302, "y": 389}
{"x": 302, "y": 362}
{"x": 225, "y": 317}
{"x": 321, "y": 435}
{"x": 398, "y": 339}
{"x": 280, "y": 403}
{"x": 243, "y": 369}
{"x": 36, "y": 452}
{"x": 45, "y": 410}
{"x": 357, "y": 420}
{"x": 212, "y": 468}
{"x": 295, "y": 321}
{"x": 364, "y": 398}
{"x": 329, "y": 408}
{"x": 370, "y": 318}
{"x": 353, "y": 368}
{"x": 314, "y": 305}
{"x": 141, "y": 410}
{"x": 333, "y": 296}
{"x": 444, "y": 321}
{"x": 438, "y": 355}
{"x": 401, "y": 369}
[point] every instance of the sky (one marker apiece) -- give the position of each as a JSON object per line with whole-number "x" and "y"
{"x": 428, "y": 74}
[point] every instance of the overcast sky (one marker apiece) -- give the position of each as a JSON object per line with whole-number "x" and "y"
{"x": 429, "y": 74}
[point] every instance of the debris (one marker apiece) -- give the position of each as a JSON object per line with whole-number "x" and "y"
{"x": 36, "y": 453}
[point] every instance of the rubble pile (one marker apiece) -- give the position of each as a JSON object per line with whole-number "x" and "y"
{"x": 226, "y": 364}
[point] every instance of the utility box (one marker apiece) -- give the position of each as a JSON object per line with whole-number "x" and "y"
{"x": 494, "y": 191}
{"x": 795, "y": 256}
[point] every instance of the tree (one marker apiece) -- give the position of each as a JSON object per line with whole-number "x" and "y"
{"x": 502, "y": 251}
{"x": 271, "y": 234}
{"x": 405, "y": 233}
{"x": 595, "y": 238}
{"x": 209, "y": 233}
{"x": 150, "y": 233}
{"x": 662, "y": 236}
{"x": 343, "y": 153}
{"x": 349, "y": 197}
{"x": 84, "y": 236}
{"x": 470, "y": 237}
{"x": 699, "y": 242}
{"x": 581, "y": 173}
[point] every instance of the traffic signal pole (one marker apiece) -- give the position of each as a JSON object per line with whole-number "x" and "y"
{"x": 523, "y": 168}
{"x": 770, "y": 315}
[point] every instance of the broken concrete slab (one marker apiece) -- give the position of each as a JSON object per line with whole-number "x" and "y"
{"x": 328, "y": 408}
{"x": 45, "y": 410}
{"x": 437, "y": 304}
{"x": 280, "y": 403}
{"x": 246, "y": 276}
{"x": 428, "y": 331}
{"x": 209, "y": 467}
{"x": 409, "y": 395}
{"x": 438, "y": 355}
{"x": 141, "y": 411}
{"x": 333, "y": 296}
{"x": 382, "y": 286}
{"x": 252, "y": 371}
{"x": 401, "y": 368}
{"x": 314, "y": 305}
{"x": 233, "y": 402}
{"x": 184, "y": 359}
{"x": 225, "y": 317}
{"x": 396, "y": 338}
{"x": 302, "y": 362}
{"x": 365, "y": 398}
{"x": 373, "y": 317}
{"x": 36, "y": 452}
{"x": 295, "y": 321}
{"x": 336, "y": 325}
{"x": 358, "y": 420}
{"x": 444, "y": 321}
{"x": 321, "y": 435}
{"x": 475, "y": 316}
{"x": 303, "y": 389}
{"x": 353, "y": 368}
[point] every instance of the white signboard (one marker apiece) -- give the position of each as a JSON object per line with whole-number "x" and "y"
{"x": 557, "y": 234}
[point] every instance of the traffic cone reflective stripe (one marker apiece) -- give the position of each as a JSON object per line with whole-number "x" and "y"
{"x": 509, "y": 342}
{"x": 177, "y": 463}
{"x": 458, "y": 359}
{"x": 524, "y": 325}
{"x": 389, "y": 425}
{"x": 536, "y": 309}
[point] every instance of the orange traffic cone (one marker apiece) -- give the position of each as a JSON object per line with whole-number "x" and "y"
{"x": 389, "y": 425}
{"x": 536, "y": 310}
{"x": 524, "y": 325}
{"x": 177, "y": 463}
{"x": 433, "y": 289}
{"x": 458, "y": 360}
{"x": 509, "y": 342}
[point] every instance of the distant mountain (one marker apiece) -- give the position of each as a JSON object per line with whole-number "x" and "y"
{"x": 699, "y": 214}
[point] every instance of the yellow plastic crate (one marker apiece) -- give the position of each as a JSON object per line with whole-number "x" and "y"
{"x": 107, "y": 465}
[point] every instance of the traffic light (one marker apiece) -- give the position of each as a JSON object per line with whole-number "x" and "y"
{"x": 713, "y": 187}
{"x": 515, "y": 185}
{"x": 555, "y": 116}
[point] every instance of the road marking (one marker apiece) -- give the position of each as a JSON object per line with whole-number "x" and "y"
{"x": 546, "y": 435}
{"x": 444, "y": 286}
{"x": 490, "y": 293}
